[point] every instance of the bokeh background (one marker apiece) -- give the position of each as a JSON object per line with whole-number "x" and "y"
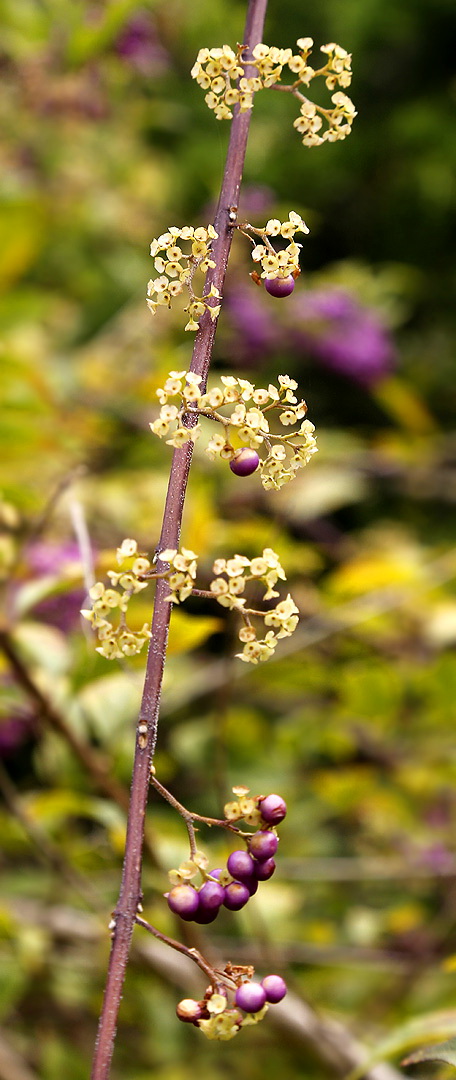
{"x": 106, "y": 142}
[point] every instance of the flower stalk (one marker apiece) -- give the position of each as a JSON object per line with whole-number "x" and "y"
{"x": 126, "y": 910}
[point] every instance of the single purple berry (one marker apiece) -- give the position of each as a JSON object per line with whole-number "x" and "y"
{"x": 240, "y": 865}
{"x": 272, "y": 809}
{"x": 236, "y": 895}
{"x": 265, "y": 869}
{"x": 216, "y": 873}
{"x": 244, "y": 462}
{"x": 184, "y": 901}
{"x": 250, "y": 997}
{"x": 280, "y": 286}
{"x": 211, "y": 896}
{"x": 275, "y": 988}
{"x": 189, "y": 1010}
{"x": 263, "y": 844}
{"x": 252, "y": 883}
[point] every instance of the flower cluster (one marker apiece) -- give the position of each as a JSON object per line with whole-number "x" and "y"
{"x": 232, "y": 577}
{"x": 119, "y": 641}
{"x": 215, "y": 70}
{"x": 182, "y": 573}
{"x": 285, "y": 453}
{"x": 176, "y": 271}
{"x": 277, "y": 264}
{"x": 221, "y": 72}
{"x": 339, "y": 118}
{"x": 216, "y": 1018}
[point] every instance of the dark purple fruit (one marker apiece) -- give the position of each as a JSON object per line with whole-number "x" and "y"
{"x": 275, "y": 988}
{"x": 265, "y": 869}
{"x": 280, "y": 286}
{"x": 244, "y": 462}
{"x": 211, "y": 895}
{"x": 252, "y": 883}
{"x": 206, "y": 915}
{"x": 250, "y": 997}
{"x": 272, "y": 809}
{"x": 184, "y": 901}
{"x": 236, "y": 895}
{"x": 263, "y": 845}
{"x": 240, "y": 865}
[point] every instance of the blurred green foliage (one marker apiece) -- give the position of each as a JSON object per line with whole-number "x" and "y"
{"x": 106, "y": 142}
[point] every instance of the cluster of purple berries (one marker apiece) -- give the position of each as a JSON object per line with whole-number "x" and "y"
{"x": 250, "y": 996}
{"x": 245, "y": 870}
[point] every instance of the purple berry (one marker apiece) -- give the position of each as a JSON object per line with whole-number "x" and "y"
{"x": 272, "y": 809}
{"x": 240, "y": 865}
{"x": 216, "y": 873}
{"x": 263, "y": 845}
{"x": 252, "y": 883}
{"x": 275, "y": 988}
{"x": 250, "y": 997}
{"x": 189, "y": 1010}
{"x": 244, "y": 462}
{"x": 280, "y": 286}
{"x": 236, "y": 895}
{"x": 206, "y": 915}
{"x": 184, "y": 901}
{"x": 264, "y": 870}
{"x": 211, "y": 895}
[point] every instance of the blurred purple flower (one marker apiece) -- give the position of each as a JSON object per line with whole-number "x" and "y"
{"x": 255, "y": 199}
{"x": 329, "y": 324}
{"x": 344, "y": 335}
{"x": 138, "y": 44}
{"x": 437, "y": 858}
{"x": 14, "y": 731}
{"x": 63, "y": 610}
{"x": 256, "y": 330}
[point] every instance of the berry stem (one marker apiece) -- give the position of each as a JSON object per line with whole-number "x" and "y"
{"x": 130, "y": 890}
{"x": 192, "y": 954}
{"x": 188, "y": 815}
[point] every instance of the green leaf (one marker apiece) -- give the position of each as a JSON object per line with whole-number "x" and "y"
{"x": 44, "y": 647}
{"x": 406, "y": 1036}
{"x": 21, "y": 236}
{"x": 444, "y": 1051}
{"x": 110, "y": 703}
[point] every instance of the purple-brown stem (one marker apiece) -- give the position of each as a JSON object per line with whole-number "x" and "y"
{"x": 130, "y": 890}
{"x": 214, "y": 976}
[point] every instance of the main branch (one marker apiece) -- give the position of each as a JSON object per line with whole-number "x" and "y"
{"x": 130, "y": 891}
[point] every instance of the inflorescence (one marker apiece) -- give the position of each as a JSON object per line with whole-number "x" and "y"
{"x": 216, "y": 1018}
{"x": 276, "y": 265}
{"x": 231, "y": 578}
{"x": 221, "y": 72}
{"x": 285, "y": 453}
{"x": 176, "y": 270}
